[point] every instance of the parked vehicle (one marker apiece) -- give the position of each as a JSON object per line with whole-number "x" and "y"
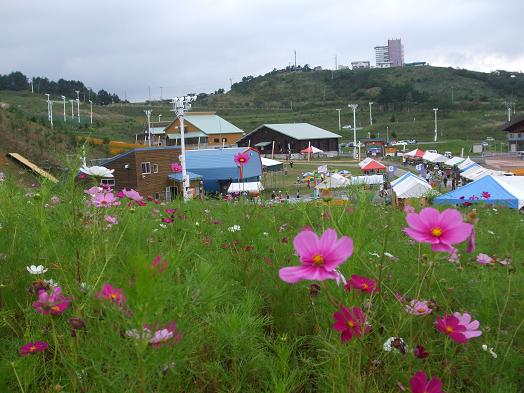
{"x": 448, "y": 154}
{"x": 432, "y": 151}
{"x": 490, "y": 139}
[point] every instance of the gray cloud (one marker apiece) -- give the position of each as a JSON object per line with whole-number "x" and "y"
{"x": 196, "y": 46}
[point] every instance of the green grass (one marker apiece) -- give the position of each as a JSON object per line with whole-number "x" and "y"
{"x": 243, "y": 329}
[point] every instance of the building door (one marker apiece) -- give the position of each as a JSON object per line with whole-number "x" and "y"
{"x": 174, "y": 191}
{"x": 513, "y": 147}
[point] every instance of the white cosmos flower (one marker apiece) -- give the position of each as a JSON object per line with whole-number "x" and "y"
{"x": 51, "y": 283}
{"x": 388, "y": 345}
{"x": 97, "y": 171}
{"x": 234, "y": 228}
{"x": 36, "y": 269}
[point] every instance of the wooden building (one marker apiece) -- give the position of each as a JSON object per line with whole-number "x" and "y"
{"x": 515, "y": 130}
{"x": 202, "y": 130}
{"x": 374, "y": 147}
{"x": 148, "y": 171}
{"x": 290, "y": 138}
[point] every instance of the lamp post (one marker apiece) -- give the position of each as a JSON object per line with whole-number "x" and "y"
{"x": 78, "y": 104}
{"x": 91, "y": 113}
{"x": 159, "y": 116}
{"x": 339, "y": 124}
{"x": 72, "y": 109}
{"x": 64, "y": 99}
{"x": 436, "y": 124}
{"x": 180, "y": 106}
{"x": 354, "y": 108}
{"x": 48, "y": 107}
{"x": 148, "y": 114}
{"x": 370, "y": 117}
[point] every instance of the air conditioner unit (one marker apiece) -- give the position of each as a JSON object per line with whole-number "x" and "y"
{"x": 126, "y": 166}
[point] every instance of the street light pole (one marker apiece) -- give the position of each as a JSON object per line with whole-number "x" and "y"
{"x": 78, "y": 104}
{"x": 180, "y": 106}
{"x": 48, "y": 107}
{"x": 339, "y": 124}
{"x": 354, "y": 108}
{"x": 159, "y": 116}
{"x": 72, "y": 109}
{"x": 91, "y": 115}
{"x": 436, "y": 124}
{"x": 64, "y": 99}
{"x": 370, "y": 117}
{"x": 148, "y": 114}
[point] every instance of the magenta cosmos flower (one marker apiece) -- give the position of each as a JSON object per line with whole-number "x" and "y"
{"x": 450, "y": 325}
{"x": 418, "y": 307}
{"x": 441, "y": 230}
{"x": 241, "y": 158}
{"x": 31, "y": 348}
{"x": 362, "y": 283}
{"x": 114, "y": 295}
{"x": 52, "y": 303}
{"x": 350, "y": 322}
{"x": 176, "y": 167}
{"x": 319, "y": 256}
{"x": 420, "y": 384}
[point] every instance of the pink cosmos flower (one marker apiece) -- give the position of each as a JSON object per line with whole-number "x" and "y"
{"x": 132, "y": 194}
{"x": 441, "y": 230}
{"x": 94, "y": 190}
{"x": 176, "y": 167}
{"x": 409, "y": 209}
{"x": 350, "y": 322}
{"x": 484, "y": 259}
{"x": 53, "y": 303}
{"x": 165, "y": 336}
{"x": 111, "y": 220}
{"x": 364, "y": 284}
{"x": 454, "y": 256}
{"x": 167, "y": 220}
{"x": 420, "y": 384}
{"x": 319, "y": 256}
{"x": 418, "y": 307}
{"x": 470, "y": 326}
{"x": 114, "y": 295}
{"x": 170, "y": 211}
{"x": 451, "y": 326}
{"x": 159, "y": 264}
{"x": 32, "y": 348}
{"x": 241, "y": 158}
{"x": 104, "y": 199}
{"x": 506, "y": 261}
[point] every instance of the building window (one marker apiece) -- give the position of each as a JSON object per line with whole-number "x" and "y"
{"x": 108, "y": 182}
{"x": 146, "y": 168}
{"x": 216, "y": 140}
{"x": 157, "y": 196}
{"x": 155, "y": 168}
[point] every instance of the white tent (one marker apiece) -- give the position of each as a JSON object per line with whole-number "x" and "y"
{"x": 372, "y": 179}
{"x": 269, "y": 162}
{"x": 434, "y": 157}
{"x": 333, "y": 181}
{"x": 410, "y": 186}
{"x": 479, "y": 172}
{"x": 454, "y": 161}
{"x": 464, "y": 164}
{"x": 254, "y": 186}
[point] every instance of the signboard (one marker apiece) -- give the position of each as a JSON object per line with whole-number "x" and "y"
{"x": 391, "y": 169}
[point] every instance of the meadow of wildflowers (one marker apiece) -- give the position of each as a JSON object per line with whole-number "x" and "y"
{"x": 112, "y": 292}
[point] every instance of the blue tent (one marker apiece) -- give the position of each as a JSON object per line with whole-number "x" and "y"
{"x": 488, "y": 189}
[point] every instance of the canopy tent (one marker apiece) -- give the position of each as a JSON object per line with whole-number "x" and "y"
{"x": 373, "y": 165}
{"x": 454, "y": 161}
{"x": 365, "y": 161}
{"x": 271, "y": 165}
{"x": 465, "y": 164}
{"x": 489, "y": 189}
{"x": 333, "y": 181}
{"x": 434, "y": 157}
{"x": 312, "y": 150}
{"x": 417, "y": 153}
{"x": 478, "y": 172}
{"x": 370, "y": 180}
{"x": 410, "y": 186}
{"x": 344, "y": 172}
{"x": 254, "y": 186}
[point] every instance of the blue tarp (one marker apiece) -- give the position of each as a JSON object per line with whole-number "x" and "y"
{"x": 476, "y": 192}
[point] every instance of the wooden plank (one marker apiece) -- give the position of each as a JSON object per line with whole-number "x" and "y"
{"x": 36, "y": 169}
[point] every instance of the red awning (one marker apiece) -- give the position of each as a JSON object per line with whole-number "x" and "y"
{"x": 373, "y": 165}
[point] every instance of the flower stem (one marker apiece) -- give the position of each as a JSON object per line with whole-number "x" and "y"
{"x": 17, "y": 378}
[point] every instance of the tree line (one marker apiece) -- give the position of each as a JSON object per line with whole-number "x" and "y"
{"x": 18, "y": 81}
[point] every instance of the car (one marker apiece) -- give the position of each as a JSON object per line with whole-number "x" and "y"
{"x": 412, "y": 141}
{"x": 448, "y": 154}
{"x": 485, "y": 144}
{"x": 490, "y": 139}
{"x": 432, "y": 151}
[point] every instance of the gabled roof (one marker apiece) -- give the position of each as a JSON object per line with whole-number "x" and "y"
{"x": 124, "y": 154}
{"x": 511, "y": 125}
{"x": 299, "y": 131}
{"x": 212, "y": 124}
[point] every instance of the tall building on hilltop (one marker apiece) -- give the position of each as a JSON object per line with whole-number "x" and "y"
{"x": 391, "y": 55}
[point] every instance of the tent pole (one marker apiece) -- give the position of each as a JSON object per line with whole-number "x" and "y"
{"x": 309, "y": 151}
{"x": 273, "y": 150}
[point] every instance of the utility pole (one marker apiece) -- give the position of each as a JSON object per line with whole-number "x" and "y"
{"x": 230, "y": 84}
{"x": 336, "y": 63}
{"x": 148, "y": 114}
{"x": 370, "y": 117}
{"x": 78, "y": 104}
{"x": 452, "y": 97}
{"x": 32, "y": 90}
{"x": 91, "y": 115}
{"x": 63, "y": 98}
{"x": 72, "y": 109}
{"x": 339, "y": 124}
{"x": 159, "y": 116}
{"x": 295, "y": 59}
{"x": 149, "y": 88}
{"x": 48, "y": 106}
{"x": 436, "y": 124}
{"x": 161, "y": 90}
{"x": 354, "y": 108}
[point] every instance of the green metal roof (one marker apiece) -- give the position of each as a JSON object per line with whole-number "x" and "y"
{"x": 212, "y": 124}
{"x": 301, "y": 131}
{"x": 194, "y": 134}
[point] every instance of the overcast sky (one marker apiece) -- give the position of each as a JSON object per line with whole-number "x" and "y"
{"x": 197, "y": 45}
